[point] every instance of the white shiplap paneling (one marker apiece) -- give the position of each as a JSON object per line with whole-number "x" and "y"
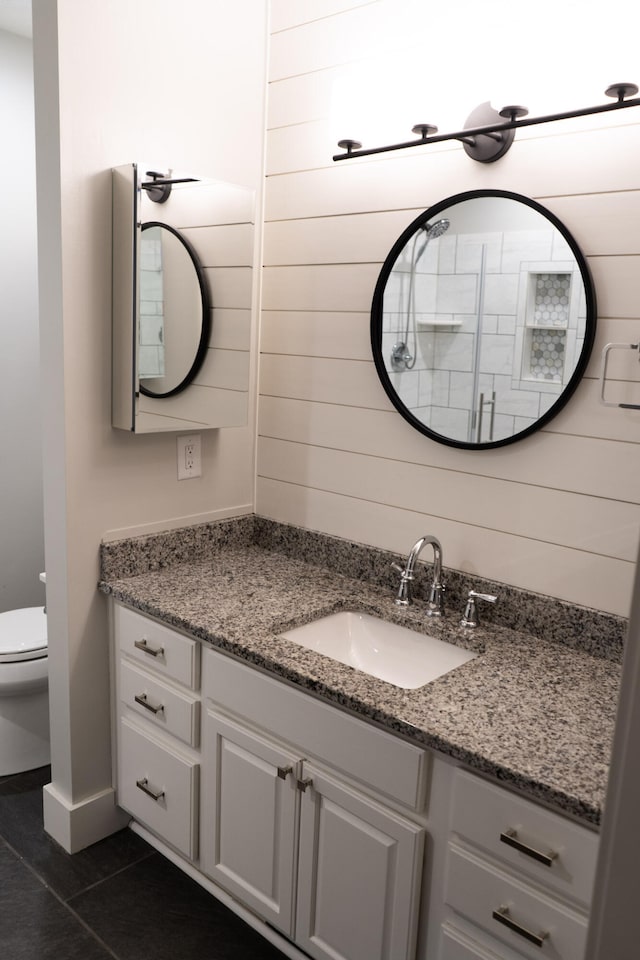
{"x": 349, "y": 382}
{"x": 341, "y": 335}
{"x": 570, "y": 463}
{"x": 322, "y": 287}
{"x": 290, "y": 13}
{"x": 576, "y": 576}
{"x": 419, "y": 177}
{"x": 539, "y": 513}
{"x": 557, "y": 512}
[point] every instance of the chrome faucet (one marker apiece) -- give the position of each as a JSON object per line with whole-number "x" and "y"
{"x": 435, "y": 603}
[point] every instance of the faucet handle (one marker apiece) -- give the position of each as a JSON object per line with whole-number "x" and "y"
{"x": 470, "y": 616}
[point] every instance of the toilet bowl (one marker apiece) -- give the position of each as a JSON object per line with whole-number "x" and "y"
{"x": 24, "y": 693}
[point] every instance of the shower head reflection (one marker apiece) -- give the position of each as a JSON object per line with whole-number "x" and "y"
{"x": 432, "y": 231}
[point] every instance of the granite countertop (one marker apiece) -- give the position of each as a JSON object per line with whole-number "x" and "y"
{"x": 536, "y": 714}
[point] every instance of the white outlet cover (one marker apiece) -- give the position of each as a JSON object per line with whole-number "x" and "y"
{"x": 189, "y": 456}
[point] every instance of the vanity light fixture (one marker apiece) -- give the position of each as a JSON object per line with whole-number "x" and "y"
{"x": 159, "y": 187}
{"x": 488, "y": 133}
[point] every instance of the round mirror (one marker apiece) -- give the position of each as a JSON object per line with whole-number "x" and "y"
{"x": 174, "y": 312}
{"x": 483, "y": 319}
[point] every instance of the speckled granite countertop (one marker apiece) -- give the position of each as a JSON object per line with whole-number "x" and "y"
{"x": 534, "y": 713}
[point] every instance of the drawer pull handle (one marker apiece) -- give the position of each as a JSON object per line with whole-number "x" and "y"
{"x": 510, "y": 837}
{"x": 303, "y": 784}
{"x": 141, "y": 698}
{"x": 283, "y": 772}
{"x": 144, "y": 786}
{"x": 144, "y": 646}
{"x": 502, "y": 916}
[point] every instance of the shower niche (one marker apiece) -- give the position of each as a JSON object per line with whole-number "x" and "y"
{"x": 483, "y": 319}
{"x": 554, "y": 321}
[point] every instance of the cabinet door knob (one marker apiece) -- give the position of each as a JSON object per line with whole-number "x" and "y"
{"x": 502, "y": 916}
{"x": 303, "y": 784}
{"x": 144, "y": 646}
{"x": 510, "y": 837}
{"x": 283, "y": 772}
{"x": 144, "y": 786}
{"x": 141, "y": 698}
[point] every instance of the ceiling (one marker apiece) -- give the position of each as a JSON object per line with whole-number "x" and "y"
{"x": 15, "y": 16}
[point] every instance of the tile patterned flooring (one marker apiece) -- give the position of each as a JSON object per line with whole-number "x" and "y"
{"x": 117, "y": 899}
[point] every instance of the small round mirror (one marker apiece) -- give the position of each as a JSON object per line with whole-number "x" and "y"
{"x": 483, "y": 319}
{"x": 174, "y": 312}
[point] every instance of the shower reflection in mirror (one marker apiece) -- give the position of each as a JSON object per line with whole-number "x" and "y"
{"x": 482, "y": 327}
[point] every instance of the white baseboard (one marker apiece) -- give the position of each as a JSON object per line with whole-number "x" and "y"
{"x": 174, "y": 523}
{"x": 77, "y": 825}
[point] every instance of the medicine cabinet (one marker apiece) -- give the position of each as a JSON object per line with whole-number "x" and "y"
{"x": 182, "y": 302}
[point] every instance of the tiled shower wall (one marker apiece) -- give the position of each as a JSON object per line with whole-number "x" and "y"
{"x": 524, "y": 347}
{"x": 555, "y": 513}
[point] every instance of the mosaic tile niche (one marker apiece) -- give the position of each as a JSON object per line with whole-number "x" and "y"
{"x": 548, "y": 322}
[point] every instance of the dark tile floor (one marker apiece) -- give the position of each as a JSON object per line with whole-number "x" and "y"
{"x": 117, "y": 899}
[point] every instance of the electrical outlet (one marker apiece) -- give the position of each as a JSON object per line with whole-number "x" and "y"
{"x": 189, "y": 456}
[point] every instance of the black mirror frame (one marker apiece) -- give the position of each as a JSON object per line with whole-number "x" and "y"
{"x": 205, "y": 334}
{"x": 377, "y": 310}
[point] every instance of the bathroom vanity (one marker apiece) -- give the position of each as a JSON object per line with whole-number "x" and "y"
{"x": 357, "y": 819}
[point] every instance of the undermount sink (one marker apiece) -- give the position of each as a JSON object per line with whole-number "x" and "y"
{"x": 381, "y": 649}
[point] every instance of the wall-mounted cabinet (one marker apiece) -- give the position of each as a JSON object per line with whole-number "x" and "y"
{"x": 182, "y": 303}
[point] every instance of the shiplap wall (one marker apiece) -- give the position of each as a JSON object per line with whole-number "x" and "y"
{"x": 558, "y": 512}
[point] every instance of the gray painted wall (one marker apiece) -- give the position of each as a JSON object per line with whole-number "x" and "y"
{"x": 21, "y": 521}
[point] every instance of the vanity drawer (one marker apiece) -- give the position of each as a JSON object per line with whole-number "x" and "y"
{"x": 495, "y": 819}
{"x": 166, "y": 707}
{"x": 159, "y": 648}
{"x": 483, "y": 894}
{"x": 159, "y": 788}
{"x": 387, "y": 764}
{"x": 456, "y": 945}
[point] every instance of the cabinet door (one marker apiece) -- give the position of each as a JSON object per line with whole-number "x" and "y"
{"x": 248, "y": 827}
{"x": 359, "y": 875}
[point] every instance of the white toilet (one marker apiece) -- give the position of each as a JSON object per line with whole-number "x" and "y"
{"x": 24, "y": 690}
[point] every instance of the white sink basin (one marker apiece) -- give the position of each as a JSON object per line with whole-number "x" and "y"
{"x": 384, "y": 650}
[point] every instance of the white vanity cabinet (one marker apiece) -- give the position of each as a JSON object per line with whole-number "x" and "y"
{"x": 516, "y": 872}
{"x": 316, "y": 849}
{"x": 354, "y": 843}
{"x": 157, "y": 719}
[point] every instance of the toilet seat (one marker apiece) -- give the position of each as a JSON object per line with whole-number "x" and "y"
{"x": 23, "y": 635}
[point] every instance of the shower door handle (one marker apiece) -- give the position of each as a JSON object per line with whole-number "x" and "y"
{"x": 492, "y": 418}
{"x": 480, "y": 416}
{"x": 481, "y": 405}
